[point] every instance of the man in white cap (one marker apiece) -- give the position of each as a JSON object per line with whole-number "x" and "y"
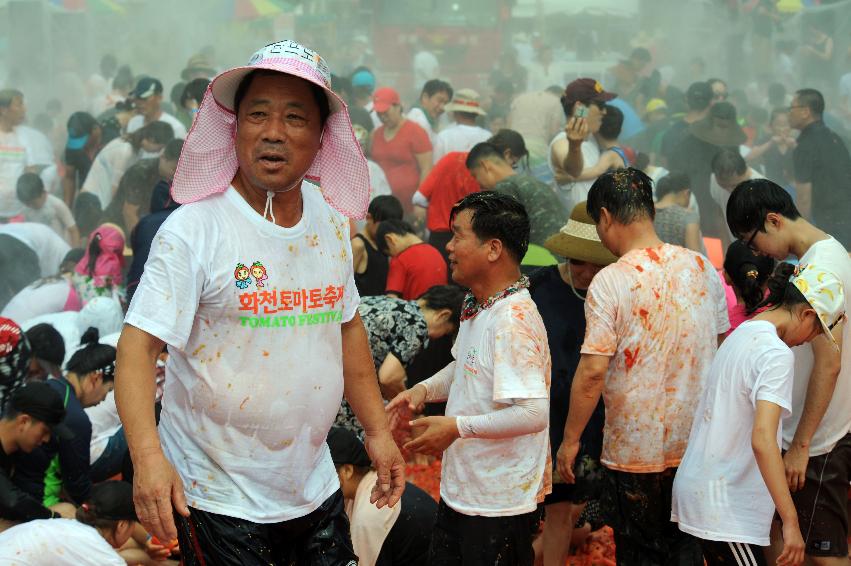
{"x": 252, "y": 289}
{"x": 464, "y": 133}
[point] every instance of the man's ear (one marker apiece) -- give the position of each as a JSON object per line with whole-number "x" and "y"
{"x": 495, "y": 249}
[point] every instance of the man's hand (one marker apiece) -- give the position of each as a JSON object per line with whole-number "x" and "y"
{"x": 156, "y": 550}
{"x": 433, "y": 435}
{"x": 796, "y": 460}
{"x": 576, "y": 130}
{"x": 157, "y": 493}
{"x": 565, "y": 459}
{"x": 404, "y": 405}
{"x": 793, "y": 545}
{"x": 390, "y": 466}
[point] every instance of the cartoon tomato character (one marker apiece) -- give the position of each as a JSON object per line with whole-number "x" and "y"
{"x": 242, "y": 276}
{"x": 259, "y": 273}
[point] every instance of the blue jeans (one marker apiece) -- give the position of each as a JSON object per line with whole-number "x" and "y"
{"x": 112, "y": 460}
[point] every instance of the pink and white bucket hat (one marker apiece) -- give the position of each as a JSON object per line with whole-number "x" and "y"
{"x": 208, "y": 161}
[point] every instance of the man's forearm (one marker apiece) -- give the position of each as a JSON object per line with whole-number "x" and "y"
{"x": 135, "y": 390}
{"x": 819, "y": 393}
{"x": 573, "y": 162}
{"x": 584, "y": 396}
{"x": 360, "y": 381}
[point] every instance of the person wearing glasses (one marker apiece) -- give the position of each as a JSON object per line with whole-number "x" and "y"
{"x": 816, "y": 436}
{"x": 822, "y": 166}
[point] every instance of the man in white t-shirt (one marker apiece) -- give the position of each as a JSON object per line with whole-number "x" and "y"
{"x": 464, "y": 133}
{"x": 816, "y": 436}
{"x": 148, "y": 98}
{"x": 728, "y": 170}
{"x": 654, "y": 320}
{"x": 495, "y": 436}
{"x": 47, "y": 209}
{"x": 584, "y": 104}
{"x": 22, "y": 149}
{"x": 250, "y": 283}
{"x": 428, "y": 110}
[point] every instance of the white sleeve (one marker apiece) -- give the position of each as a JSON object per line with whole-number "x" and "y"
{"x": 419, "y": 199}
{"x": 718, "y": 297}
{"x": 438, "y": 385}
{"x": 525, "y": 416}
{"x": 775, "y": 369}
{"x": 351, "y": 297}
{"x": 39, "y": 150}
{"x": 520, "y": 363}
{"x": 167, "y": 298}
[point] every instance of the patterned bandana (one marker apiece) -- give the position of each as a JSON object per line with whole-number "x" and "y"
{"x": 15, "y": 355}
{"x": 472, "y": 307}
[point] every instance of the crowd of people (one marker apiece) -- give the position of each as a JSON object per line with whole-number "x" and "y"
{"x": 230, "y": 321}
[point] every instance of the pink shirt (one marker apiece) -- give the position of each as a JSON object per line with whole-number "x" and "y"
{"x": 657, "y": 313}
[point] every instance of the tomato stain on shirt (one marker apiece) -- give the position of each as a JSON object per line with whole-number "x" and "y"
{"x": 651, "y": 253}
{"x": 630, "y": 357}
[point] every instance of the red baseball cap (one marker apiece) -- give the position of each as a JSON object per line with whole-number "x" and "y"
{"x": 587, "y": 90}
{"x": 384, "y": 98}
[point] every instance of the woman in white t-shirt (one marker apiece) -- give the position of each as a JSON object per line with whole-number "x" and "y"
{"x": 104, "y": 523}
{"x": 732, "y": 476}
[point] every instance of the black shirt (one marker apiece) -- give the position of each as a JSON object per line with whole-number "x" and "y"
{"x": 37, "y": 473}
{"x": 563, "y": 314}
{"x": 408, "y": 540}
{"x": 373, "y": 281}
{"x": 822, "y": 159}
{"x": 15, "y": 505}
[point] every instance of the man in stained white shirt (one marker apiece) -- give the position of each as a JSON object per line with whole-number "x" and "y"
{"x": 464, "y": 133}
{"x": 251, "y": 285}
{"x": 495, "y": 436}
{"x": 148, "y": 98}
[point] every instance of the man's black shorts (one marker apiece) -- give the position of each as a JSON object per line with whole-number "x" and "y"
{"x": 320, "y": 538}
{"x": 822, "y": 504}
{"x": 472, "y": 540}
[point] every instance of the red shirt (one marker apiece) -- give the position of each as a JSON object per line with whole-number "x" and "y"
{"x": 397, "y": 158}
{"x": 447, "y": 183}
{"x": 415, "y": 271}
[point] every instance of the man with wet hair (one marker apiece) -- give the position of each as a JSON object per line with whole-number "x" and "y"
{"x": 494, "y": 437}
{"x": 649, "y": 341}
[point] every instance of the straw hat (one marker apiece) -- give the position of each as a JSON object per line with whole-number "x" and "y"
{"x": 466, "y": 100}
{"x": 578, "y": 240}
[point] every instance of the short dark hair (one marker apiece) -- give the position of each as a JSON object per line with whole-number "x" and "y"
{"x": 172, "y": 149}
{"x": 158, "y": 132}
{"x": 626, "y": 193}
{"x": 392, "y": 226}
{"x": 482, "y": 151}
{"x": 497, "y": 216}
{"x": 433, "y": 86}
{"x": 29, "y": 187}
{"x": 642, "y": 54}
{"x": 385, "y": 207}
{"x": 699, "y": 96}
{"x": 812, "y": 99}
{"x": 672, "y": 183}
{"x": 728, "y": 163}
{"x": 87, "y": 212}
{"x": 510, "y": 140}
{"x": 611, "y": 123}
{"x": 93, "y": 356}
{"x": 318, "y": 93}
{"x": 751, "y": 201}
{"x": 194, "y": 90}
{"x": 442, "y": 297}
{"x": 47, "y": 344}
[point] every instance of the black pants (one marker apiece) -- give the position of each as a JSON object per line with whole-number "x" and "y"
{"x": 468, "y": 540}
{"x": 320, "y": 538}
{"x": 638, "y": 508}
{"x": 732, "y": 553}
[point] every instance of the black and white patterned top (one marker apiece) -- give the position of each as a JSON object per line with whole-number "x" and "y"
{"x": 394, "y": 326}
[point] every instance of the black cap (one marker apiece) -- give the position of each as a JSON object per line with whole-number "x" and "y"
{"x": 699, "y": 95}
{"x": 146, "y": 87}
{"x": 40, "y": 401}
{"x": 346, "y": 448}
{"x": 112, "y": 500}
